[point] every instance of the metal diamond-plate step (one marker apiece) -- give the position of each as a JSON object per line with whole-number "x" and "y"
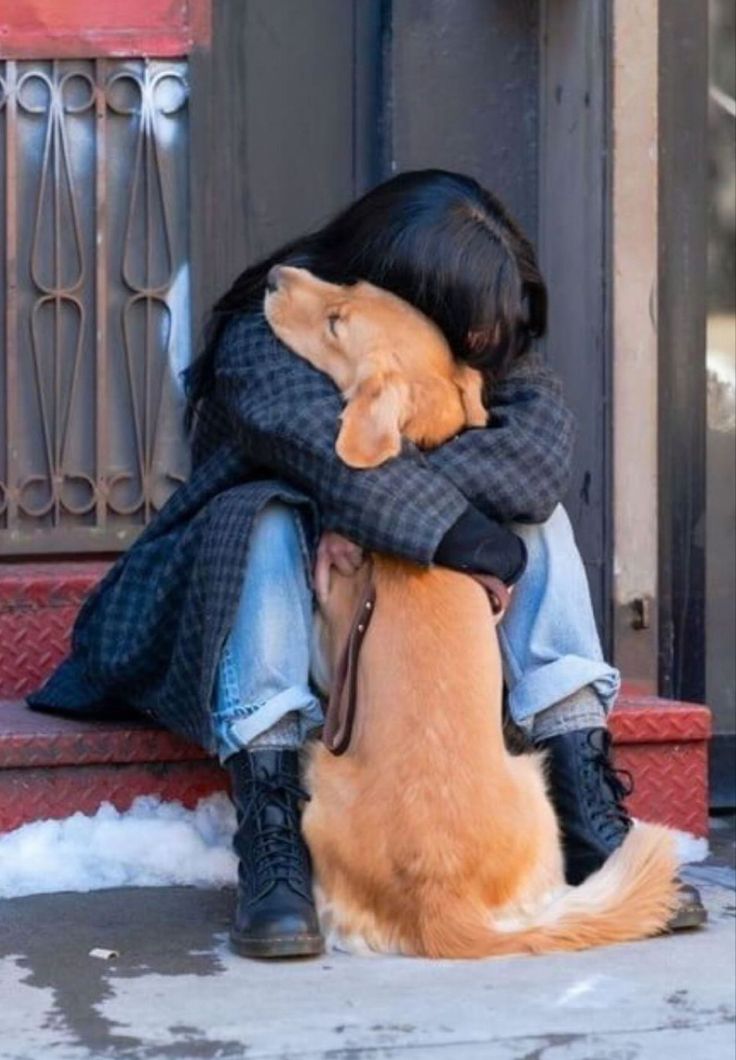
{"x": 51, "y": 767}
{"x": 38, "y": 605}
{"x": 664, "y": 745}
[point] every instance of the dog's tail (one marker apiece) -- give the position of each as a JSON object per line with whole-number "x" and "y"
{"x": 631, "y": 897}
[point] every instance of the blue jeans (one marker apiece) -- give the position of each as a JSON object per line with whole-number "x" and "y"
{"x": 549, "y": 642}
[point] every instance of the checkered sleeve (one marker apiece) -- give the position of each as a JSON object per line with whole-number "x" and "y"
{"x": 518, "y": 467}
{"x": 285, "y": 415}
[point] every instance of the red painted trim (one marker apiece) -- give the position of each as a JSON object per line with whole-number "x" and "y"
{"x": 200, "y": 21}
{"x": 50, "y": 29}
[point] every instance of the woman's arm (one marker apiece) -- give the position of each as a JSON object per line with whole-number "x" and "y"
{"x": 285, "y": 414}
{"x": 518, "y": 468}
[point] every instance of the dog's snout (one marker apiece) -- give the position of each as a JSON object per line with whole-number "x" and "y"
{"x": 273, "y": 278}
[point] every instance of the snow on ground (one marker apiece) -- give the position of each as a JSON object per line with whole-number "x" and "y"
{"x": 153, "y": 844}
{"x": 691, "y": 848}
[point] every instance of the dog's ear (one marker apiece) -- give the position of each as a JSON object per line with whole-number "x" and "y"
{"x": 372, "y": 421}
{"x": 470, "y": 384}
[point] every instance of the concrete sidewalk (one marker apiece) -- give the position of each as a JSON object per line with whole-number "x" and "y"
{"x": 175, "y": 991}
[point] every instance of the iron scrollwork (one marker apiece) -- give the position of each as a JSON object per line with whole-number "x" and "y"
{"x": 94, "y": 160}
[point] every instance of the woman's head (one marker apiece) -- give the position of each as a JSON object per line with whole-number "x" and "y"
{"x": 438, "y": 240}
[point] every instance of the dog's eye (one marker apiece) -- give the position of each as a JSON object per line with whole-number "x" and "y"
{"x": 332, "y": 322}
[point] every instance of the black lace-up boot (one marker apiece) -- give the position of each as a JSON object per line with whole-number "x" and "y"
{"x": 275, "y": 915}
{"x": 588, "y": 795}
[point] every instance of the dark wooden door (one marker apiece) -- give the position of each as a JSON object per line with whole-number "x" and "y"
{"x": 150, "y": 179}
{"x": 301, "y": 106}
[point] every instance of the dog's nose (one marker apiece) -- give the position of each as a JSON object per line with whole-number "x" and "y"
{"x": 273, "y": 278}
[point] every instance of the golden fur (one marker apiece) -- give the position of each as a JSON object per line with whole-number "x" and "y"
{"x": 427, "y": 837}
{"x": 392, "y": 365}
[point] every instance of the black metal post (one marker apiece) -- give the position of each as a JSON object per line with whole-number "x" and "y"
{"x": 681, "y": 308}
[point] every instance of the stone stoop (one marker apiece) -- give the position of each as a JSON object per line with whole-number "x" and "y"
{"x": 51, "y": 766}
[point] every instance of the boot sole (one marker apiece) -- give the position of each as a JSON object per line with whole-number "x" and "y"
{"x": 688, "y": 918}
{"x": 286, "y": 946}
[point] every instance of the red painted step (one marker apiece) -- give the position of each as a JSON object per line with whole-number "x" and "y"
{"x": 38, "y": 605}
{"x": 664, "y": 745}
{"x": 50, "y": 767}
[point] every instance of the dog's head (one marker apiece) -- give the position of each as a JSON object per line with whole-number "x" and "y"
{"x": 340, "y": 326}
{"x": 382, "y": 353}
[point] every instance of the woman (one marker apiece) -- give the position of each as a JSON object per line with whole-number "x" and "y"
{"x": 205, "y": 623}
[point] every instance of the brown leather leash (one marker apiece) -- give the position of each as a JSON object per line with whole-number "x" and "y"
{"x": 343, "y": 699}
{"x": 499, "y": 594}
{"x": 342, "y": 703}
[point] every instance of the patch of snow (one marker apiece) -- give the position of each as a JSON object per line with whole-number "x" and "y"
{"x": 152, "y": 844}
{"x": 690, "y": 848}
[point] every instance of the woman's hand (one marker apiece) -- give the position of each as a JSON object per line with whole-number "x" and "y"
{"x": 334, "y": 550}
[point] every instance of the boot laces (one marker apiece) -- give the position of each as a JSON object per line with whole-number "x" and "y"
{"x": 278, "y": 852}
{"x": 608, "y": 814}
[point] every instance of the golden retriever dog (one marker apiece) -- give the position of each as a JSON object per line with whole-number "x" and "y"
{"x": 428, "y": 838}
{"x": 410, "y": 386}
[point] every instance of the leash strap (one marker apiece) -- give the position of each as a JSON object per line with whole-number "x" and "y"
{"x": 342, "y": 703}
{"x": 343, "y": 699}
{"x": 498, "y": 593}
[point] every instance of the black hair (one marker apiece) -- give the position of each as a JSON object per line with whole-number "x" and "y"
{"x": 437, "y": 239}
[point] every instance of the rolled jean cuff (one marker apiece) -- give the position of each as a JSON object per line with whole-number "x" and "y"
{"x": 547, "y": 685}
{"x": 250, "y": 721}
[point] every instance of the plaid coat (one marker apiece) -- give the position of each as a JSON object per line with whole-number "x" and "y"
{"x": 149, "y": 637}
